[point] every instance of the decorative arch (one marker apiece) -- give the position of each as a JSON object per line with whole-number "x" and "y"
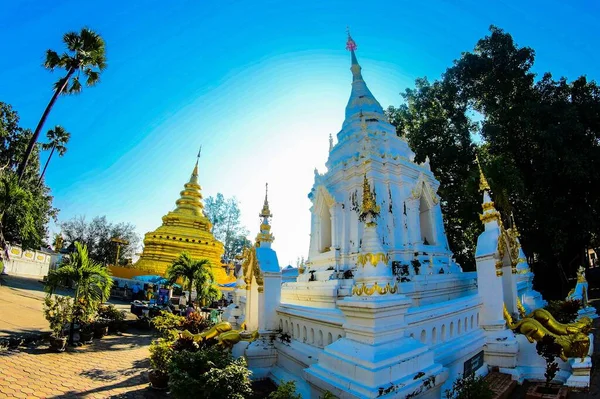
{"x": 427, "y": 200}
{"x": 322, "y": 211}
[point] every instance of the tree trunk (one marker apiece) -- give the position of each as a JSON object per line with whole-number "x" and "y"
{"x": 190, "y": 293}
{"x": 72, "y": 326}
{"x": 45, "y": 166}
{"x": 38, "y": 129}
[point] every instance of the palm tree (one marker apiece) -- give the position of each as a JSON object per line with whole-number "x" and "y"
{"x": 58, "y": 139}
{"x": 92, "y": 281}
{"x": 87, "y": 54}
{"x": 205, "y": 286}
{"x": 189, "y": 270}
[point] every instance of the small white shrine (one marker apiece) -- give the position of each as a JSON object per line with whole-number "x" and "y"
{"x": 381, "y": 309}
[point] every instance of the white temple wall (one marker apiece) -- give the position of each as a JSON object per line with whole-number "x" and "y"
{"x": 311, "y": 326}
{"x": 438, "y": 288}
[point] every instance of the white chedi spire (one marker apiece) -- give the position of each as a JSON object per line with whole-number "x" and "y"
{"x": 361, "y": 98}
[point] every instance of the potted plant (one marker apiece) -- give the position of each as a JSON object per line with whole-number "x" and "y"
{"x": 100, "y": 328}
{"x": 549, "y": 349}
{"x": 58, "y": 311}
{"x": 86, "y": 331}
{"x": 160, "y": 356}
{"x": 113, "y": 316}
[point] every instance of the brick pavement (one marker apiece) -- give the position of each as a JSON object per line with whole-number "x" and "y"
{"x": 112, "y": 367}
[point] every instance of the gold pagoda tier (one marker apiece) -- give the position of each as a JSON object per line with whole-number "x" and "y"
{"x": 184, "y": 229}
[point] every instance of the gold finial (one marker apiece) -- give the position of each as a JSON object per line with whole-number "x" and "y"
{"x": 195, "y": 172}
{"x": 266, "y": 213}
{"x": 513, "y": 225}
{"x": 369, "y": 205}
{"x": 483, "y": 184}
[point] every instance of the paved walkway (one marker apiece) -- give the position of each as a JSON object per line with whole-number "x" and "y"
{"x": 114, "y": 366}
{"x": 21, "y": 305}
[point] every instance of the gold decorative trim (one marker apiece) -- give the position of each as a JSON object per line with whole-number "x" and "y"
{"x": 374, "y": 259}
{"x": 487, "y": 206}
{"x": 488, "y": 217}
{"x": 375, "y": 288}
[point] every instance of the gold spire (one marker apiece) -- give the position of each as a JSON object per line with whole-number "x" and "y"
{"x": 483, "y": 184}
{"x": 266, "y": 212}
{"x": 264, "y": 235}
{"x": 369, "y": 205}
{"x": 190, "y": 200}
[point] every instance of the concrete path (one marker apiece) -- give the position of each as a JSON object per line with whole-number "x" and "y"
{"x": 112, "y": 367}
{"x": 21, "y": 305}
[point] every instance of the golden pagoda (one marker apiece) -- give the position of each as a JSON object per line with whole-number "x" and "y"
{"x": 184, "y": 229}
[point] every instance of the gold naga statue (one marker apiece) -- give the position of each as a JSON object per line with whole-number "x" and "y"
{"x": 224, "y": 334}
{"x": 573, "y": 337}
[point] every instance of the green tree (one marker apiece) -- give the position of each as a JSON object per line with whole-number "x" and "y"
{"x": 434, "y": 121}
{"x": 85, "y": 54}
{"x": 97, "y": 236}
{"x": 204, "y": 280}
{"x": 92, "y": 282}
{"x": 57, "y": 141}
{"x": 26, "y": 208}
{"x": 191, "y": 271}
{"x": 224, "y": 214}
{"x": 539, "y": 146}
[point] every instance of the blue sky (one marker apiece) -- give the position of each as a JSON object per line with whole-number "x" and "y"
{"x": 260, "y": 84}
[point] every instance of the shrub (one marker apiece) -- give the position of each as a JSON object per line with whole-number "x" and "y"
{"x": 210, "y": 373}
{"x": 166, "y": 324}
{"x": 110, "y": 312}
{"x": 160, "y": 355}
{"x": 470, "y": 387}
{"x": 564, "y": 311}
{"x": 286, "y": 390}
{"x": 195, "y": 323}
{"x": 549, "y": 350}
{"x": 58, "y": 310}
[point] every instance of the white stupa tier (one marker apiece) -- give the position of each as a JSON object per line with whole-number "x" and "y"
{"x": 381, "y": 310}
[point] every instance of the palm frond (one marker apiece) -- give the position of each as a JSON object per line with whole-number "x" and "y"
{"x": 59, "y": 84}
{"x": 75, "y": 86}
{"x": 93, "y": 77}
{"x": 73, "y": 41}
{"x": 52, "y": 60}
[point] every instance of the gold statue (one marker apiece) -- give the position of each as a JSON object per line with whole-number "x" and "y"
{"x": 369, "y": 205}
{"x": 583, "y": 325}
{"x": 520, "y": 308}
{"x": 224, "y": 334}
{"x": 575, "y": 344}
{"x": 230, "y": 338}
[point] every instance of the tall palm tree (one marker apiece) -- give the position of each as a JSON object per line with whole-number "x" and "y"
{"x": 92, "y": 280}
{"x": 57, "y": 140}
{"x": 189, "y": 270}
{"x": 85, "y": 54}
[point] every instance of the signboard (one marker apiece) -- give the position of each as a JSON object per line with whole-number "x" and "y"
{"x": 473, "y": 364}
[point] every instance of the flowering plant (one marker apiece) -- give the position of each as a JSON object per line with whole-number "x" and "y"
{"x": 58, "y": 311}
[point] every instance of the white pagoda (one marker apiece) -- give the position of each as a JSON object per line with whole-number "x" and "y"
{"x": 381, "y": 309}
